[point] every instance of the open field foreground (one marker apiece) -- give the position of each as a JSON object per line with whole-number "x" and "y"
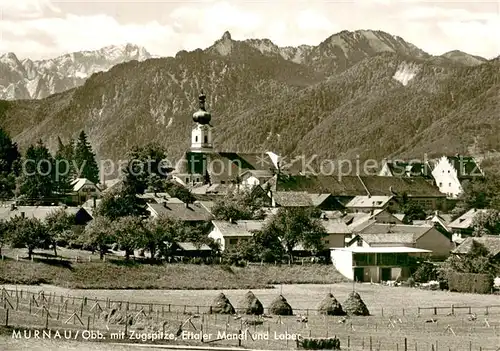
{"x": 394, "y": 317}
{"x": 121, "y": 275}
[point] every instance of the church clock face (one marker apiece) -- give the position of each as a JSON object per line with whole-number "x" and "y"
{"x": 204, "y": 128}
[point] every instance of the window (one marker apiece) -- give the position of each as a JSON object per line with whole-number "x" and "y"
{"x": 449, "y": 184}
{"x": 187, "y": 180}
{"x": 206, "y": 139}
{"x": 440, "y": 185}
{"x": 197, "y": 180}
{"x": 360, "y": 242}
{"x": 233, "y": 241}
{"x": 196, "y": 139}
{"x": 327, "y": 242}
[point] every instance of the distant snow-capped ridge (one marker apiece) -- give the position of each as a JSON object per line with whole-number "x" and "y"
{"x": 37, "y": 79}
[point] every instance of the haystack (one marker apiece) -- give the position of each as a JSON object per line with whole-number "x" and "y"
{"x": 281, "y": 307}
{"x": 250, "y": 304}
{"x": 221, "y": 305}
{"x": 355, "y": 306}
{"x": 330, "y": 306}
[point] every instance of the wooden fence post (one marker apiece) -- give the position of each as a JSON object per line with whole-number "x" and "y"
{"x": 7, "y": 317}
{"x": 406, "y": 344}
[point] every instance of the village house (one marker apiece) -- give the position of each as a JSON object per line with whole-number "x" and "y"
{"x": 490, "y": 242}
{"x": 344, "y": 189}
{"x": 191, "y": 250}
{"x": 177, "y": 210}
{"x": 82, "y": 216}
{"x": 450, "y": 172}
{"x": 228, "y": 234}
{"x": 337, "y": 233}
{"x": 462, "y": 226}
{"x": 363, "y": 262}
{"x": 420, "y": 237}
{"x": 368, "y": 204}
{"x": 358, "y": 221}
{"x": 83, "y": 190}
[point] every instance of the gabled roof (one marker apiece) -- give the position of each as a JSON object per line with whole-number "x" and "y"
{"x": 335, "y": 226}
{"x": 39, "y": 212}
{"x": 465, "y": 220}
{"x": 400, "y": 216}
{"x": 386, "y": 239}
{"x": 356, "y": 185}
{"x": 188, "y": 246}
{"x": 383, "y": 228}
{"x": 181, "y": 211}
{"x": 319, "y": 184}
{"x": 409, "y": 168}
{"x": 223, "y": 166}
{"x": 238, "y": 228}
{"x": 292, "y": 199}
{"x": 412, "y": 186}
{"x": 318, "y": 199}
{"x": 79, "y": 183}
{"x": 369, "y": 202}
{"x": 490, "y": 242}
{"x": 466, "y": 166}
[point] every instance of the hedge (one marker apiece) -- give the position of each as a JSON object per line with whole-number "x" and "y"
{"x": 318, "y": 344}
{"x": 470, "y": 282}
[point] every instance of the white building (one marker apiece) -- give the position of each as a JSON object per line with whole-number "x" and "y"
{"x": 450, "y": 172}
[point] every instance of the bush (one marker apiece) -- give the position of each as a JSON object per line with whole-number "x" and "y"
{"x": 470, "y": 282}
{"x": 319, "y": 344}
{"x": 410, "y": 282}
{"x": 425, "y": 273}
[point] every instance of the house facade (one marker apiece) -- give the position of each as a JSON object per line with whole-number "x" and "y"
{"x": 83, "y": 190}
{"x": 363, "y": 263}
{"x": 425, "y": 237}
{"x": 229, "y": 234}
{"x": 450, "y": 172}
{"x": 368, "y": 203}
{"x": 463, "y": 224}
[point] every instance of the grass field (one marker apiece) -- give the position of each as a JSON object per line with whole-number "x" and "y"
{"x": 386, "y": 329}
{"x": 116, "y": 273}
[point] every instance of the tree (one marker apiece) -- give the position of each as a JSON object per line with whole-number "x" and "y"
{"x": 85, "y": 159}
{"x": 180, "y": 192}
{"x": 238, "y": 206}
{"x": 9, "y": 164}
{"x": 296, "y": 225}
{"x": 130, "y": 234}
{"x": 147, "y": 168}
{"x": 58, "y": 224}
{"x": 9, "y": 154}
{"x": 28, "y": 232}
{"x": 478, "y": 260}
{"x": 486, "y": 223}
{"x": 4, "y": 231}
{"x": 122, "y": 204}
{"x": 64, "y": 167}
{"x": 99, "y": 234}
{"x": 37, "y": 178}
{"x": 413, "y": 211}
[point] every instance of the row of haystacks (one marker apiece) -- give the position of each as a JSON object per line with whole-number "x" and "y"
{"x": 251, "y": 305}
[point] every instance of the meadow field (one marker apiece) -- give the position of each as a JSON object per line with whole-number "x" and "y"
{"x": 394, "y": 320}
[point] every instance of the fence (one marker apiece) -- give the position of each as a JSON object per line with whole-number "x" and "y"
{"x": 116, "y": 319}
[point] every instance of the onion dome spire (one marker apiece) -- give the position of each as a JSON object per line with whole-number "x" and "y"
{"x": 202, "y": 116}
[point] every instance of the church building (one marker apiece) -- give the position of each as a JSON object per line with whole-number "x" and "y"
{"x": 204, "y": 164}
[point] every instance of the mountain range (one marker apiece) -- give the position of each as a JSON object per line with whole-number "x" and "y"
{"x": 36, "y": 79}
{"x": 365, "y": 94}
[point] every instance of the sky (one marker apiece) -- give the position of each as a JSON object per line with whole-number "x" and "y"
{"x": 44, "y": 28}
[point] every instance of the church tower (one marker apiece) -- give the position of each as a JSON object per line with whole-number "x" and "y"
{"x": 201, "y": 135}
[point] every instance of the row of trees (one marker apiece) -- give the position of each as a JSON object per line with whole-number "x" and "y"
{"x": 33, "y": 233}
{"x": 39, "y": 175}
{"x": 132, "y": 233}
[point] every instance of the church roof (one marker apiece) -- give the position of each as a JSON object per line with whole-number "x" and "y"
{"x": 223, "y": 166}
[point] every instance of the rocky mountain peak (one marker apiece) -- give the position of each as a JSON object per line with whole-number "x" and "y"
{"x": 226, "y": 35}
